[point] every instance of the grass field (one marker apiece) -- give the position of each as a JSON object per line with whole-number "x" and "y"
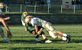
{"x": 23, "y": 40}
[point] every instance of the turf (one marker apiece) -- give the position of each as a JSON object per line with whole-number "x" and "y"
{"x": 23, "y": 40}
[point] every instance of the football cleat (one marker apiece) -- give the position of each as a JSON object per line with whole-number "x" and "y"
{"x": 68, "y": 38}
{"x": 48, "y": 41}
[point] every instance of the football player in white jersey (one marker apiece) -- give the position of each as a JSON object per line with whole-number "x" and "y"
{"x": 48, "y": 26}
{"x": 28, "y": 27}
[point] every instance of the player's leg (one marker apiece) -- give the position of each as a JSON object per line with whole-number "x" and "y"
{"x": 54, "y": 34}
{"x": 50, "y": 29}
{"x": 24, "y": 25}
{"x": 64, "y": 36}
{"x": 36, "y": 36}
{"x": 46, "y": 40}
{"x": 5, "y": 39}
{"x": 57, "y": 34}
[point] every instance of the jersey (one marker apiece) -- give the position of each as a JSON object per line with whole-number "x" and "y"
{"x": 29, "y": 27}
{"x": 42, "y": 23}
{"x": 37, "y": 21}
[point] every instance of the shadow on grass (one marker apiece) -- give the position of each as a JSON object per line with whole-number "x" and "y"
{"x": 31, "y": 41}
{"x": 53, "y": 41}
{"x": 35, "y": 48}
{"x": 25, "y": 41}
{"x": 76, "y": 41}
{"x": 23, "y": 36}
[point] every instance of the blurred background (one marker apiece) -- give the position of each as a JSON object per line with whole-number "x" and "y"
{"x": 46, "y": 6}
{"x": 59, "y": 11}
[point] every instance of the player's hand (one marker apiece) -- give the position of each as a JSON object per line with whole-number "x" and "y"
{"x": 7, "y": 18}
{"x": 39, "y": 33}
{"x": 9, "y": 34}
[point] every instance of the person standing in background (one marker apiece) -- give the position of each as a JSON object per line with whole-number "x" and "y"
{"x": 3, "y": 21}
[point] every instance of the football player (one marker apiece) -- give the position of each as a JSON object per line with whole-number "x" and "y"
{"x": 34, "y": 21}
{"x": 28, "y": 27}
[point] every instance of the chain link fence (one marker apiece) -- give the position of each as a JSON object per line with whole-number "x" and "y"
{"x": 66, "y": 9}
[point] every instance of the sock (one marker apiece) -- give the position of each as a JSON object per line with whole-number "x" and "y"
{"x": 65, "y": 35}
{"x": 64, "y": 38}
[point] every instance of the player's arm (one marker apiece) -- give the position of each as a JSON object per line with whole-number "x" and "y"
{"x": 25, "y": 25}
{"x": 7, "y": 18}
{"x": 38, "y": 31}
{"x": 23, "y": 22}
{"x": 2, "y": 20}
{"x": 36, "y": 28}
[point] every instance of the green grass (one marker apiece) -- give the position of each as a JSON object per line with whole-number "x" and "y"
{"x": 23, "y": 40}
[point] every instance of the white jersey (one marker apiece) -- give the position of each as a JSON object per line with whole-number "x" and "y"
{"x": 37, "y": 21}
